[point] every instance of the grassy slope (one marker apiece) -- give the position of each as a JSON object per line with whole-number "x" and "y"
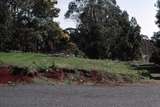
{"x": 29, "y": 60}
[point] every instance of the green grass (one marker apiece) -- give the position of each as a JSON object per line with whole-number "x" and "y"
{"x": 32, "y": 60}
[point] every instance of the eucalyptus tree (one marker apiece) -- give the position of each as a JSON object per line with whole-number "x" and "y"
{"x": 156, "y": 37}
{"x": 5, "y": 25}
{"x": 104, "y": 30}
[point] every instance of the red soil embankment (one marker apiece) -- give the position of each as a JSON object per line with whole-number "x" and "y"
{"x": 81, "y": 75}
{"x": 84, "y": 76}
{"x": 7, "y": 77}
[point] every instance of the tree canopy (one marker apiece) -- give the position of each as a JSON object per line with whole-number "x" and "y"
{"x": 27, "y": 25}
{"x": 156, "y": 38}
{"x": 105, "y": 31}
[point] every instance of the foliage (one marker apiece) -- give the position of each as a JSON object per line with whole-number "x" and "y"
{"x": 43, "y": 66}
{"x": 158, "y": 13}
{"x": 16, "y": 70}
{"x": 27, "y": 25}
{"x": 104, "y": 31}
{"x": 147, "y": 49}
{"x": 156, "y": 38}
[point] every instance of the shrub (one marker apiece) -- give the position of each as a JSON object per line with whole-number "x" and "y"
{"x": 15, "y": 70}
{"x": 43, "y": 67}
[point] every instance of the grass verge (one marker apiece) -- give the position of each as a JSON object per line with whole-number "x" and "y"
{"x": 43, "y": 61}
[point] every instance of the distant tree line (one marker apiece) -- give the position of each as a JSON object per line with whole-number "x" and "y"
{"x": 103, "y": 29}
{"x": 27, "y": 25}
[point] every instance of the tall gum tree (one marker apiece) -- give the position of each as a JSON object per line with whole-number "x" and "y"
{"x": 105, "y": 31}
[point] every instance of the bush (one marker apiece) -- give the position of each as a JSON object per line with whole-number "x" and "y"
{"x": 15, "y": 70}
{"x": 43, "y": 67}
{"x": 72, "y": 49}
{"x": 155, "y": 58}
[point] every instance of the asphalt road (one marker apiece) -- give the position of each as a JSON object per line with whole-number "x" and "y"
{"x": 80, "y": 96}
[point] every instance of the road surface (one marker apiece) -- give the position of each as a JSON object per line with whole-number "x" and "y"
{"x": 80, "y": 96}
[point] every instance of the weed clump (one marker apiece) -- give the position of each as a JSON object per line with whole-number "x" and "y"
{"x": 15, "y": 70}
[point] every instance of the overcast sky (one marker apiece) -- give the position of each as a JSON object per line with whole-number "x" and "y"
{"x": 143, "y": 10}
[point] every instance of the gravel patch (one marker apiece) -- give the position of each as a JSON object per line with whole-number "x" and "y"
{"x": 80, "y": 96}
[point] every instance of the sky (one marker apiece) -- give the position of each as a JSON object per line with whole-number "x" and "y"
{"x": 143, "y": 10}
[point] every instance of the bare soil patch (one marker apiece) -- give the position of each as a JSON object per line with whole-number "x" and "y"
{"x": 7, "y": 77}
